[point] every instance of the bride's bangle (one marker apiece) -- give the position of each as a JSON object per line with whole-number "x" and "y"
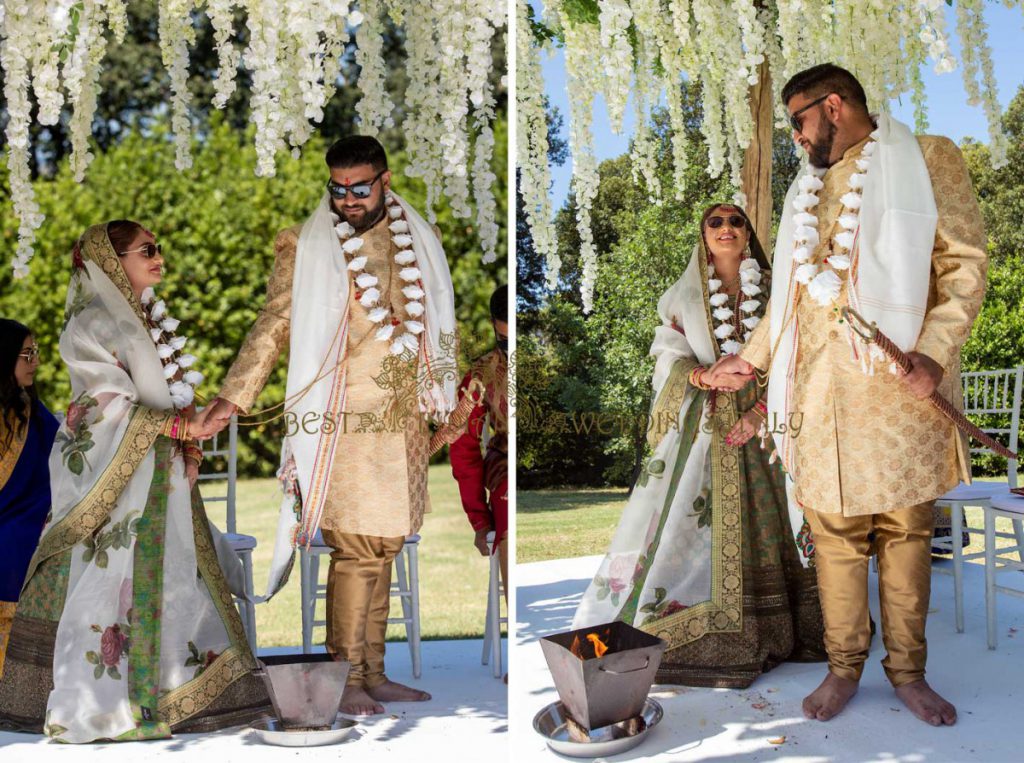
{"x": 695, "y": 379}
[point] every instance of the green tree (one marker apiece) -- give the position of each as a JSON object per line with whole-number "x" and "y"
{"x": 217, "y": 223}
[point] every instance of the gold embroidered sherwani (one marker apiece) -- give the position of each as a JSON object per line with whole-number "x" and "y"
{"x": 378, "y": 483}
{"x": 377, "y": 493}
{"x": 894, "y": 449}
{"x": 870, "y": 458}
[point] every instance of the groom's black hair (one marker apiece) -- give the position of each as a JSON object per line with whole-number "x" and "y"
{"x": 822, "y": 79}
{"x": 357, "y": 149}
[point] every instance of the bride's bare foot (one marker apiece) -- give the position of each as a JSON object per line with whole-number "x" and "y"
{"x": 923, "y": 702}
{"x": 355, "y": 701}
{"x": 389, "y": 691}
{"x": 828, "y": 700}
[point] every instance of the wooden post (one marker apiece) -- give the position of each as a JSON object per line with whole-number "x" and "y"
{"x": 757, "y": 163}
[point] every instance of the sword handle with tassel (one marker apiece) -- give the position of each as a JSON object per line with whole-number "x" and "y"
{"x": 869, "y": 333}
{"x": 452, "y": 429}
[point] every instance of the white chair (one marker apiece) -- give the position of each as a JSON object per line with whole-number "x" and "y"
{"x": 243, "y": 545}
{"x": 986, "y": 393}
{"x": 998, "y": 560}
{"x": 492, "y": 627}
{"x": 405, "y": 585}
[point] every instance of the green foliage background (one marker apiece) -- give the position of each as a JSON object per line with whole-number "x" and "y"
{"x": 573, "y": 368}
{"x": 217, "y": 224}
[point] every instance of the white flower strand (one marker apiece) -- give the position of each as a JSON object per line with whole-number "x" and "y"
{"x": 181, "y": 378}
{"x": 750, "y": 279}
{"x": 387, "y": 323}
{"x": 824, "y": 284}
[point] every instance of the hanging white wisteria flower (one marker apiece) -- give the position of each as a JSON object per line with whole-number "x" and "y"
{"x": 292, "y": 51}
{"x": 721, "y": 46}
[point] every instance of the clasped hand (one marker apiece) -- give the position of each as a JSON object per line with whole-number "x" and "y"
{"x": 729, "y": 374}
{"x": 211, "y": 420}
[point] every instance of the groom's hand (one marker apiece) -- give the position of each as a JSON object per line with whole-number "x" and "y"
{"x": 924, "y": 375}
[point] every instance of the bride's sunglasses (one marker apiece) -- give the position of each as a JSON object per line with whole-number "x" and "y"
{"x": 736, "y": 221}
{"x": 359, "y": 190}
{"x": 149, "y": 251}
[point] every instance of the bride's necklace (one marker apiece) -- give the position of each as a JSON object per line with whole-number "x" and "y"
{"x": 403, "y": 335}
{"x": 182, "y": 379}
{"x": 731, "y": 320}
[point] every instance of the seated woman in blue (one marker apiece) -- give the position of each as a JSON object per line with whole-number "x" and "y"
{"x": 27, "y": 431}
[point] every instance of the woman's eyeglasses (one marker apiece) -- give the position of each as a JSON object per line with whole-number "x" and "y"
{"x": 30, "y": 354}
{"x": 736, "y": 221}
{"x": 149, "y": 251}
{"x": 359, "y": 190}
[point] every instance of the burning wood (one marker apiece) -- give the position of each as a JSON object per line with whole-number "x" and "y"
{"x": 597, "y": 648}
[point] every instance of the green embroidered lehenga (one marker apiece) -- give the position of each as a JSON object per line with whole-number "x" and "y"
{"x": 705, "y": 555}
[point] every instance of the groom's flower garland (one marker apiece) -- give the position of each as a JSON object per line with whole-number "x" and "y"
{"x": 730, "y": 320}
{"x": 368, "y": 285}
{"x": 169, "y": 347}
{"x": 824, "y": 284}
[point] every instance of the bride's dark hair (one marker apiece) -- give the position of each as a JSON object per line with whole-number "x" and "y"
{"x": 121, "y": 234}
{"x": 12, "y": 397}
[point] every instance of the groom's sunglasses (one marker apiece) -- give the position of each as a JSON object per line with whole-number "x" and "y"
{"x": 798, "y": 124}
{"x": 149, "y": 251}
{"x": 359, "y": 190}
{"x": 736, "y": 221}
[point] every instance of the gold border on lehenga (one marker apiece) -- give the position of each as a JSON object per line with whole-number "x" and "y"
{"x": 723, "y": 612}
{"x": 233, "y": 663}
{"x": 10, "y": 459}
{"x": 143, "y": 427}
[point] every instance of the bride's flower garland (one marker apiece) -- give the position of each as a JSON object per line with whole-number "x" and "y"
{"x": 403, "y": 335}
{"x": 824, "y": 284}
{"x": 182, "y": 379}
{"x": 731, "y": 320}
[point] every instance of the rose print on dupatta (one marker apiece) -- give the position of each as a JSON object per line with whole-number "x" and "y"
{"x": 75, "y": 439}
{"x": 620, "y": 572}
{"x": 660, "y": 607}
{"x": 201, "y": 661}
{"x": 115, "y": 641}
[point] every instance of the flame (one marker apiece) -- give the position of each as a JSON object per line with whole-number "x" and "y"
{"x": 599, "y": 646}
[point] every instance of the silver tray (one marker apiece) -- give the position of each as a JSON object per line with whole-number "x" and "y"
{"x": 550, "y": 724}
{"x": 270, "y": 731}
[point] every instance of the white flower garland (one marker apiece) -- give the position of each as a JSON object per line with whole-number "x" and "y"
{"x": 824, "y": 284}
{"x": 368, "y": 286}
{"x": 729, "y": 321}
{"x": 182, "y": 378}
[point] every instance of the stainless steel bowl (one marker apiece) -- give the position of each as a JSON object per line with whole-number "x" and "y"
{"x": 270, "y": 731}
{"x": 607, "y": 740}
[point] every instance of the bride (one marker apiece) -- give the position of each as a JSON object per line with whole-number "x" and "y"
{"x": 126, "y": 628}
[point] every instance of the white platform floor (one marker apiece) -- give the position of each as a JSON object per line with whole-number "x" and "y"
{"x": 466, "y": 718}
{"x": 732, "y": 725}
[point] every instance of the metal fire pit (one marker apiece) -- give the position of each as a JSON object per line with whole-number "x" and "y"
{"x": 599, "y": 691}
{"x": 305, "y": 689}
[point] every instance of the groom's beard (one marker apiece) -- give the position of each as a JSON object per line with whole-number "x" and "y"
{"x": 820, "y": 153}
{"x": 360, "y": 220}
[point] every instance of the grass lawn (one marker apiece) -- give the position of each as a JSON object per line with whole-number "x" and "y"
{"x": 557, "y": 524}
{"x": 453, "y": 575}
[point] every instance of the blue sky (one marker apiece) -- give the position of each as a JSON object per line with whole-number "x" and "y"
{"x": 948, "y": 112}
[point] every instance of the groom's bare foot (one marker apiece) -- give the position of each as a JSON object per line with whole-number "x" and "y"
{"x": 922, "y": 701}
{"x": 389, "y": 691}
{"x": 828, "y": 700}
{"x": 355, "y": 701}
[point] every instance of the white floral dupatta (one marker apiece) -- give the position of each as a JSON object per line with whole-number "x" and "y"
{"x": 144, "y": 621}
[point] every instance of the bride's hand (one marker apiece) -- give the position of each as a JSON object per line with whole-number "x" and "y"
{"x": 745, "y": 428}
